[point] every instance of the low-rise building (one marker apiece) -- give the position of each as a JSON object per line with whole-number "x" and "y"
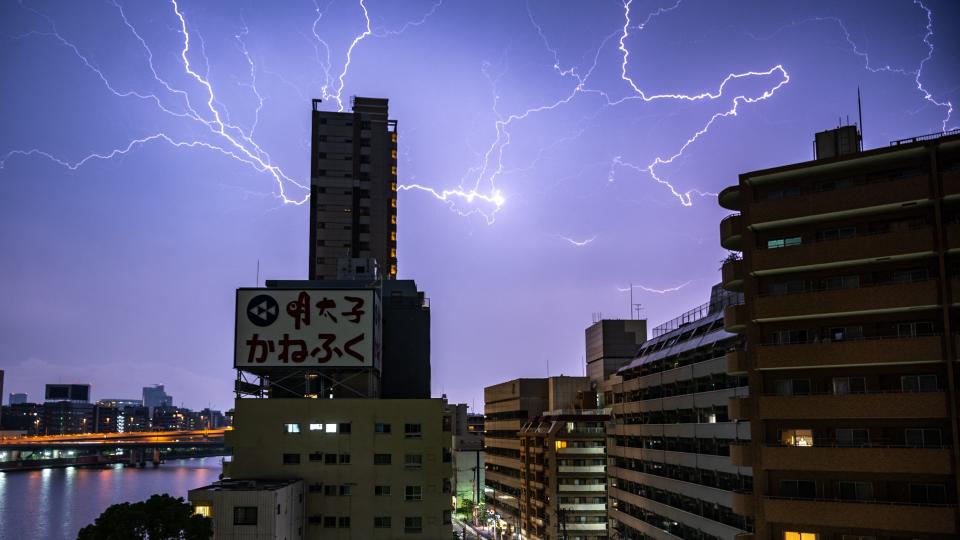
{"x": 252, "y": 509}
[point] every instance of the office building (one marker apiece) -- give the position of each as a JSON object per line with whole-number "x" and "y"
{"x": 26, "y": 417}
{"x": 156, "y": 396}
{"x": 67, "y": 418}
{"x": 563, "y": 475}
{"x": 76, "y": 393}
{"x": 611, "y": 344}
{"x": 670, "y": 473}
{"x": 353, "y": 190}
{"x": 849, "y": 271}
{"x": 507, "y": 407}
{"x": 120, "y": 403}
{"x": 17, "y": 398}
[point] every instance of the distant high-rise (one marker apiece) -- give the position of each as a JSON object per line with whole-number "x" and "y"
{"x": 353, "y": 190}
{"x": 17, "y": 398}
{"x": 156, "y": 396}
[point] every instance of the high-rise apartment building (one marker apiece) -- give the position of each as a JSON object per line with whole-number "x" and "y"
{"x": 851, "y": 278}
{"x": 156, "y": 396}
{"x": 507, "y": 407}
{"x": 353, "y": 189}
{"x": 670, "y": 474}
{"x": 563, "y": 475}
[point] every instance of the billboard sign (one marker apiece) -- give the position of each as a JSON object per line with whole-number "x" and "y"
{"x": 305, "y": 328}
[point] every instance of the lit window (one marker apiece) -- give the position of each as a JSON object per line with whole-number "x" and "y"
{"x": 316, "y": 427}
{"x": 393, "y": 186}
{"x": 561, "y": 444}
{"x": 393, "y": 253}
{"x": 393, "y": 236}
{"x": 331, "y": 428}
{"x": 789, "y": 535}
{"x": 393, "y": 170}
{"x": 393, "y": 154}
{"x": 393, "y": 136}
{"x": 393, "y": 219}
{"x": 393, "y": 269}
{"x": 203, "y": 510}
{"x": 797, "y": 437}
{"x": 291, "y": 428}
{"x": 393, "y": 203}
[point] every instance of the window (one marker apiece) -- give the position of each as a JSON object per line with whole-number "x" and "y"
{"x": 841, "y": 333}
{"x": 316, "y": 456}
{"x": 330, "y": 459}
{"x": 855, "y": 491}
{"x": 291, "y": 459}
{"x": 413, "y": 525}
{"x": 203, "y": 509}
{"x": 791, "y": 387}
{"x": 381, "y": 491}
{"x": 790, "y": 535}
{"x": 836, "y": 234}
{"x": 244, "y": 515}
{"x": 560, "y": 444}
{"x": 316, "y": 427}
{"x": 796, "y": 437}
{"x": 798, "y": 489}
{"x": 853, "y": 437}
{"x": 346, "y": 490}
{"x": 446, "y": 517}
{"x": 787, "y": 337}
{"x": 918, "y": 383}
{"x": 446, "y": 485}
{"x": 344, "y": 459}
{"x": 381, "y": 459}
{"x": 447, "y": 420}
{"x": 928, "y": 494}
{"x": 330, "y": 428}
{"x": 291, "y": 428}
{"x": 447, "y": 456}
{"x": 343, "y": 522}
{"x": 381, "y": 428}
{"x": 856, "y": 537}
{"x": 330, "y": 490}
{"x": 928, "y": 437}
{"x": 329, "y": 522}
{"x": 849, "y": 385}
{"x": 783, "y": 242}
{"x": 413, "y": 493}
{"x": 412, "y": 431}
{"x": 345, "y": 427}
{"x": 914, "y": 329}
{"x": 382, "y": 522}
{"x": 413, "y": 461}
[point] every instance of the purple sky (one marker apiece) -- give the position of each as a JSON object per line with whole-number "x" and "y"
{"x": 543, "y": 118}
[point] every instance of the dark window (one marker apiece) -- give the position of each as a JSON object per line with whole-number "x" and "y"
{"x": 345, "y": 490}
{"x": 447, "y": 455}
{"x": 929, "y": 437}
{"x": 919, "y": 383}
{"x": 344, "y": 522}
{"x": 855, "y": 491}
{"x": 412, "y": 430}
{"x": 380, "y": 428}
{"x": 381, "y": 522}
{"x": 381, "y": 491}
{"x": 413, "y": 525}
{"x": 330, "y": 522}
{"x": 345, "y": 459}
{"x": 381, "y": 459}
{"x": 798, "y": 489}
{"x": 446, "y": 517}
{"x": 447, "y": 423}
{"x": 291, "y": 459}
{"x": 330, "y": 490}
{"x": 330, "y": 459}
{"x": 928, "y": 494}
{"x": 345, "y": 427}
{"x": 244, "y": 515}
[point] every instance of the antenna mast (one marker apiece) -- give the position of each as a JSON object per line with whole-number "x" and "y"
{"x": 860, "y": 114}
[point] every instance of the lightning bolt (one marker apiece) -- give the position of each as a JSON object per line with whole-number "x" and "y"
{"x": 656, "y": 291}
{"x": 578, "y": 243}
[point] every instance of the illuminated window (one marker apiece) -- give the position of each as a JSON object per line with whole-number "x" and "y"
{"x": 393, "y": 154}
{"x": 291, "y": 428}
{"x": 393, "y": 136}
{"x": 560, "y": 444}
{"x": 797, "y": 437}
{"x": 316, "y": 427}
{"x": 393, "y": 203}
{"x": 203, "y": 510}
{"x": 393, "y": 253}
{"x": 331, "y": 428}
{"x": 789, "y": 535}
{"x": 393, "y": 219}
{"x": 393, "y": 186}
{"x": 393, "y": 269}
{"x": 393, "y": 236}
{"x": 393, "y": 170}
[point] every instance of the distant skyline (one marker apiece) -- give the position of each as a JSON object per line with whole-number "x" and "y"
{"x": 551, "y": 155}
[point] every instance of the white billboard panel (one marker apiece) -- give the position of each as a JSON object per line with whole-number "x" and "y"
{"x": 305, "y": 328}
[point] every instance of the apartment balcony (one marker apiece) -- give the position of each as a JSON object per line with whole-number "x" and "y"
{"x": 846, "y": 251}
{"x": 582, "y": 469}
{"x": 730, "y": 198}
{"x": 738, "y": 408}
{"x": 735, "y": 318}
{"x": 892, "y": 460}
{"x": 598, "y": 527}
{"x": 859, "y": 352}
{"x": 878, "y": 405}
{"x": 741, "y": 502}
{"x": 732, "y": 274}
{"x": 855, "y": 301}
{"x": 503, "y": 425}
{"x": 736, "y": 361}
{"x": 848, "y": 201}
{"x": 731, "y": 232}
{"x": 741, "y": 454}
{"x": 590, "y": 488}
{"x": 846, "y": 515}
{"x": 596, "y": 450}
{"x": 585, "y": 507}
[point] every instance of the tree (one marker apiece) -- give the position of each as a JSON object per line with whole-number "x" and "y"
{"x": 161, "y": 517}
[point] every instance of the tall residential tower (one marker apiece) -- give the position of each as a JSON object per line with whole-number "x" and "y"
{"x": 353, "y": 186}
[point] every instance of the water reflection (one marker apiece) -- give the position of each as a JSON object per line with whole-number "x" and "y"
{"x": 56, "y": 503}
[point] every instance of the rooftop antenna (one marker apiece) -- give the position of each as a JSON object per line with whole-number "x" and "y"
{"x": 860, "y": 114}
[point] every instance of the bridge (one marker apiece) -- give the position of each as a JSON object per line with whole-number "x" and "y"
{"x": 94, "y": 449}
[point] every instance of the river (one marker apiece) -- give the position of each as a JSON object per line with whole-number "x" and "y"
{"x": 53, "y": 504}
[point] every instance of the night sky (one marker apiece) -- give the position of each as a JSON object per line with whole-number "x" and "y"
{"x": 153, "y": 152}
